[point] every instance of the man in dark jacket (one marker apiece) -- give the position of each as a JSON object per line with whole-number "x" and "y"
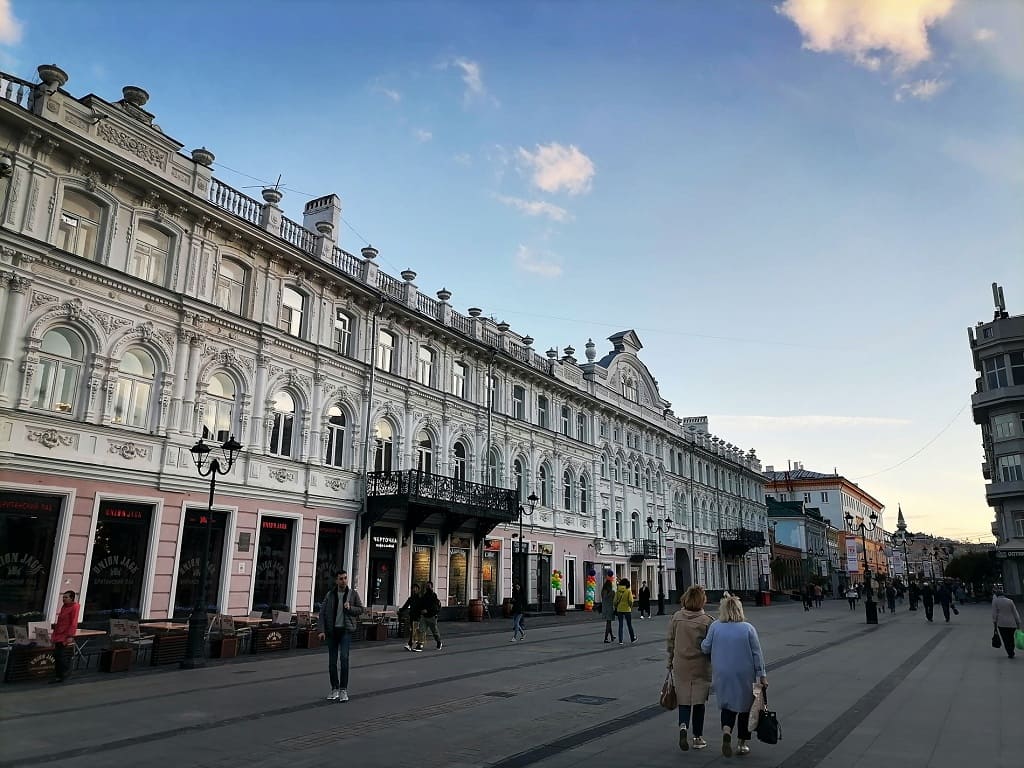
{"x": 915, "y": 594}
{"x": 928, "y": 599}
{"x": 430, "y": 606}
{"x": 945, "y": 597}
{"x": 413, "y": 608}
{"x": 338, "y": 616}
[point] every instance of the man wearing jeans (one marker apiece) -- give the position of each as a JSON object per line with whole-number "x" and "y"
{"x": 338, "y": 616}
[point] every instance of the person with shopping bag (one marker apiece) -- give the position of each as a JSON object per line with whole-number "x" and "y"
{"x": 689, "y": 668}
{"x": 1005, "y": 621}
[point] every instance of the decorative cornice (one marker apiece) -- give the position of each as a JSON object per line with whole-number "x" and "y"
{"x": 51, "y": 438}
{"x": 129, "y": 450}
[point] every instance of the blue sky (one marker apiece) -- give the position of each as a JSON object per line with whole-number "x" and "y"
{"x": 800, "y": 211}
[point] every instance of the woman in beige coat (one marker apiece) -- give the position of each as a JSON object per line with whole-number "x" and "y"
{"x": 691, "y": 669}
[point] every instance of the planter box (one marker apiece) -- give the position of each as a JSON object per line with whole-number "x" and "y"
{"x": 224, "y": 648}
{"x": 30, "y": 664}
{"x": 268, "y": 639}
{"x": 169, "y": 648}
{"x": 308, "y": 638}
{"x": 116, "y": 660}
{"x": 375, "y": 631}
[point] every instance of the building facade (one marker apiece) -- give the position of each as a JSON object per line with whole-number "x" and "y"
{"x": 997, "y": 350}
{"x": 797, "y": 527}
{"x": 146, "y": 305}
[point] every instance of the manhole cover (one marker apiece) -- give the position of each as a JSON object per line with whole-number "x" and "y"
{"x": 594, "y": 701}
{"x": 500, "y": 694}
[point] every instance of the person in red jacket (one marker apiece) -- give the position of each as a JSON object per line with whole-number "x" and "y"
{"x": 64, "y": 633}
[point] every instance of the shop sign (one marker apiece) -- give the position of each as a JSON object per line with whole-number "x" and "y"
{"x": 461, "y": 542}
{"x": 546, "y": 549}
{"x": 492, "y": 545}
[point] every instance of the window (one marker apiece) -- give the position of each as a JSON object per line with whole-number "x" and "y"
{"x": 517, "y": 472}
{"x": 630, "y": 390}
{"x": 424, "y": 366}
{"x": 634, "y": 526}
{"x": 283, "y": 424}
{"x": 581, "y": 427}
{"x": 80, "y": 219}
{"x": 492, "y": 393}
{"x": 604, "y": 466}
{"x": 807, "y": 498}
{"x": 220, "y": 405}
{"x": 995, "y": 372}
{"x": 636, "y": 475}
{"x": 616, "y": 436}
{"x": 231, "y": 279}
{"x": 583, "y": 495}
{"x": 134, "y": 388}
{"x": 492, "y": 467}
{"x": 383, "y": 447}
{"x": 424, "y": 453}
{"x": 1018, "y": 525}
{"x": 1004, "y": 426}
{"x": 542, "y": 412}
{"x": 335, "y": 455}
{"x": 617, "y": 475}
{"x": 603, "y": 428}
{"x": 342, "y": 333}
{"x": 60, "y": 365}
{"x": 293, "y": 305}
{"x": 618, "y": 523}
{"x": 1010, "y": 468}
{"x": 824, "y": 497}
{"x": 648, "y": 484}
{"x": 545, "y": 488}
{"x": 459, "y": 462}
{"x": 518, "y": 402}
{"x": 566, "y": 490}
{"x": 150, "y": 257}
{"x": 385, "y": 350}
{"x": 1017, "y": 368}
{"x": 604, "y": 523}
{"x": 566, "y": 417}
{"x": 459, "y": 380}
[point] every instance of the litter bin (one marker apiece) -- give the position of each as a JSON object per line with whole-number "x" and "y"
{"x": 764, "y": 598}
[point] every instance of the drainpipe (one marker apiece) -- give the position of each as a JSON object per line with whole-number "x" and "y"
{"x": 381, "y": 301}
{"x": 490, "y": 408}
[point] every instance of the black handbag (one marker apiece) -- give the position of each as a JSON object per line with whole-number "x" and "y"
{"x": 768, "y": 729}
{"x": 996, "y": 642}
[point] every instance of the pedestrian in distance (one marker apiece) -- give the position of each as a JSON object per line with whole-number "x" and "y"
{"x": 914, "y": 592}
{"x": 339, "y": 615}
{"x": 608, "y": 608}
{"x": 1005, "y": 620}
{"x": 890, "y": 596}
{"x": 881, "y": 597}
{"x": 518, "y": 610}
{"x": 851, "y": 597}
{"x": 64, "y": 635}
{"x": 819, "y": 594}
{"x": 944, "y": 595}
{"x": 644, "y": 597}
{"x": 806, "y": 594}
{"x": 624, "y": 609}
{"x": 928, "y": 600}
{"x": 430, "y": 606}
{"x": 689, "y": 666}
{"x": 412, "y": 607}
{"x": 736, "y": 665}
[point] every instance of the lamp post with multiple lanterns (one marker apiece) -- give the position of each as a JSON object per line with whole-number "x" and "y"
{"x": 532, "y": 501}
{"x": 661, "y": 529}
{"x": 870, "y": 608}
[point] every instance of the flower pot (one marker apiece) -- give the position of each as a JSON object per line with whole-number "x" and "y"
{"x": 561, "y": 605}
{"x": 116, "y": 660}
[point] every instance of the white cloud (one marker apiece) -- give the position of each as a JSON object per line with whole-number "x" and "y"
{"x": 383, "y": 90}
{"x": 10, "y": 27}
{"x": 463, "y": 158}
{"x": 556, "y": 167}
{"x": 983, "y": 35}
{"x": 538, "y": 263}
{"x": 472, "y": 78}
{"x": 871, "y": 32}
{"x": 536, "y": 208}
{"x": 923, "y": 90}
{"x": 422, "y": 136}
{"x": 811, "y": 421}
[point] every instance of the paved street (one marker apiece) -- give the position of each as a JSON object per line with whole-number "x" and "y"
{"x": 904, "y": 692}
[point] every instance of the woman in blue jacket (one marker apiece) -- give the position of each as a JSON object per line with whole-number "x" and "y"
{"x": 736, "y": 665}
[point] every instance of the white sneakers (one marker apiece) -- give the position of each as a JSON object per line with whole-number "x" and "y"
{"x": 343, "y": 695}
{"x": 338, "y": 694}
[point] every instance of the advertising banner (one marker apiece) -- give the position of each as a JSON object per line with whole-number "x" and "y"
{"x": 852, "y": 566}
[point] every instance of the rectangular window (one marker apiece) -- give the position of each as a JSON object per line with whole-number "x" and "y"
{"x": 1010, "y": 469}
{"x": 459, "y": 380}
{"x": 422, "y": 558}
{"x": 824, "y": 497}
{"x": 995, "y": 372}
{"x": 342, "y": 333}
{"x": 385, "y": 350}
{"x": 542, "y": 412}
{"x": 581, "y": 427}
{"x": 1018, "y": 526}
{"x": 231, "y": 286}
{"x": 118, "y": 561}
{"x": 458, "y": 570}
{"x": 330, "y": 558}
{"x": 603, "y": 429}
{"x": 273, "y": 565}
{"x": 1017, "y": 368}
{"x": 193, "y": 538}
{"x": 518, "y": 402}
{"x": 807, "y": 498}
{"x": 1004, "y": 426}
{"x": 28, "y": 529}
{"x": 565, "y": 420}
{"x": 424, "y": 366}
{"x": 292, "y": 307}
{"x": 489, "y": 570}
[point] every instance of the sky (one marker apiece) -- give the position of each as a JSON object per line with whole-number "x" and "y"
{"x": 799, "y": 205}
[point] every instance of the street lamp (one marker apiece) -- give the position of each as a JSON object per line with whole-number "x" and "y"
{"x": 870, "y": 609}
{"x": 661, "y": 543}
{"x": 194, "y": 655}
{"x": 532, "y": 501}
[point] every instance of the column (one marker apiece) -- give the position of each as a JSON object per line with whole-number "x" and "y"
{"x": 259, "y": 405}
{"x": 316, "y": 441}
{"x": 178, "y": 388}
{"x": 14, "y": 287}
{"x": 189, "y": 402}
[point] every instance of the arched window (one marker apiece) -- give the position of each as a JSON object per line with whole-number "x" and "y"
{"x": 604, "y": 466}
{"x": 566, "y": 490}
{"x": 583, "y": 495}
{"x": 634, "y": 525}
{"x": 80, "y": 220}
{"x": 517, "y": 472}
{"x": 424, "y": 453}
{"x": 459, "y": 465}
{"x": 218, "y": 416}
{"x": 492, "y": 467}
{"x": 385, "y": 350}
{"x": 151, "y": 255}
{"x": 545, "y": 486}
{"x": 232, "y": 278}
{"x": 648, "y": 484}
{"x": 566, "y": 420}
{"x": 134, "y": 389}
{"x": 636, "y": 475}
{"x": 459, "y": 379}
{"x": 383, "y": 447}
{"x": 581, "y": 427}
{"x": 542, "y": 412}
{"x": 55, "y": 386}
{"x": 293, "y": 311}
{"x": 630, "y": 390}
{"x": 335, "y": 455}
{"x": 283, "y": 424}
{"x": 425, "y": 366}
{"x": 342, "y": 333}
{"x": 618, "y": 469}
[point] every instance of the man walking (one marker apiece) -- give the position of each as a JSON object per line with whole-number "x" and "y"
{"x": 518, "y": 609}
{"x": 413, "y": 607}
{"x": 945, "y": 596}
{"x": 64, "y": 634}
{"x": 430, "y": 606}
{"x": 645, "y": 601}
{"x": 890, "y": 596}
{"x": 928, "y": 599}
{"x": 915, "y": 594}
{"x": 819, "y": 594}
{"x": 338, "y": 616}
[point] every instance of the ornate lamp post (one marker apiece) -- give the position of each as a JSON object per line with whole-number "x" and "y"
{"x": 660, "y": 529}
{"x": 194, "y": 655}
{"x": 870, "y": 608}
{"x": 532, "y": 501}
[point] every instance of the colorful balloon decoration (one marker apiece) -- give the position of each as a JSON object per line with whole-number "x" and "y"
{"x": 556, "y": 580}
{"x": 591, "y": 590}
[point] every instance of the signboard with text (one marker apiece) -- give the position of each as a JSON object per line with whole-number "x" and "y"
{"x": 852, "y": 565}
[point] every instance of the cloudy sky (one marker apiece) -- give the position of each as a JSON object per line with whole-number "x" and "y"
{"x": 798, "y": 205}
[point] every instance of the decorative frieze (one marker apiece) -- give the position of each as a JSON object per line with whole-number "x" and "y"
{"x": 129, "y": 450}
{"x": 336, "y": 483}
{"x": 124, "y": 140}
{"x": 282, "y": 475}
{"x": 51, "y": 438}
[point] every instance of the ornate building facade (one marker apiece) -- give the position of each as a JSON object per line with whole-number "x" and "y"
{"x": 147, "y": 305}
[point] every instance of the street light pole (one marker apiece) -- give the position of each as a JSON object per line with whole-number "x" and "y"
{"x": 532, "y": 501}
{"x": 661, "y": 544}
{"x": 870, "y": 609}
{"x": 194, "y": 655}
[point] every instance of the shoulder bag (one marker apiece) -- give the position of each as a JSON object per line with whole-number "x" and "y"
{"x": 996, "y": 641}
{"x": 768, "y": 729}
{"x": 668, "y": 698}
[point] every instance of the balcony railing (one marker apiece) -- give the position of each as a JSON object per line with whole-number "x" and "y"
{"x": 643, "y": 548}
{"x": 476, "y": 499}
{"x": 738, "y": 541}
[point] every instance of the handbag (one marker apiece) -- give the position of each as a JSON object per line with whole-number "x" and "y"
{"x": 1018, "y": 639}
{"x": 996, "y": 642}
{"x": 768, "y": 729}
{"x": 668, "y": 698}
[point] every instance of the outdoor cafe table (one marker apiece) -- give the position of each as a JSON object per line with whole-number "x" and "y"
{"x": 84, "y": 635}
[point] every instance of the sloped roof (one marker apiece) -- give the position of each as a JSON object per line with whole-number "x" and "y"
{"x": 797, "y": 474}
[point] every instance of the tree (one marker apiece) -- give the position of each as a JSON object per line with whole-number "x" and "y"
{"x": 976, "y": 568}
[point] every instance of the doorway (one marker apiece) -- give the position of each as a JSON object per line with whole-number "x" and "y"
{"x": 683, "y": 575}
{"x": 570, "y": 580}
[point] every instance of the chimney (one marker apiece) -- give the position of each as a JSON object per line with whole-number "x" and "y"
{"x": 323, "y": 210}
{"x": 770, "y": 468}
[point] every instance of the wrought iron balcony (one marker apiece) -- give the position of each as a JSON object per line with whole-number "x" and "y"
{"x": 736, "y": 542}
{"x": 643, "y": 548}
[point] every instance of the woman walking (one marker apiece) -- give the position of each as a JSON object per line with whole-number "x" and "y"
{"x": 851, "y": 596}
{"x": 608, "y": 607}
{"x": 624, "y": 608}
{"x": 736, "y": 664}
{"x": 1005, "y": 619}
{"x": 518, "y": 609}
{"x": 690, "y": 668}
{"x": 644, "y": 596}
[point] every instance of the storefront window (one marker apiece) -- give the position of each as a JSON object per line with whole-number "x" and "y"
{"x": 422, "y": 558}
{"x": 330, "y": 558}
{"x": 118, "y": 561}
{"x": 489, "y": 570}
{"x": 458, "y": 570}
{"x": 273, "y": 565}
{"x": 193, "y": 538}
{"x": 383, "y": 548}
{"x": 28, "y": 529}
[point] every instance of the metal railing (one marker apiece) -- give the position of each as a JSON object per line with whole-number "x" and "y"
{"x": 643, "y": 547}
{"x": 499, "y": 503}
{"x": 739, "y": 541}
